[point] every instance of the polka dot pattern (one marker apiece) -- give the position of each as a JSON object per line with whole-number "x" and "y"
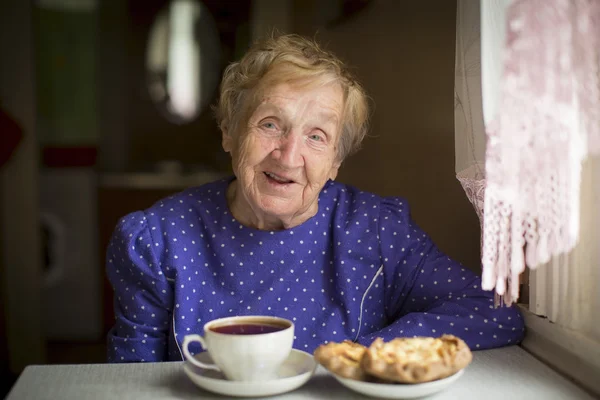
{"x": 359, "y": 269}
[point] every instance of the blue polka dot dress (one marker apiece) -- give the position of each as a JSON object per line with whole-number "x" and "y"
{"x": 359, "y": 269}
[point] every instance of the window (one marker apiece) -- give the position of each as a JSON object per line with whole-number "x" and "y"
{"x": 565, "y": 292}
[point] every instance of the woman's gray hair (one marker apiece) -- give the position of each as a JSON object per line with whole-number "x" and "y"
{"x": 291, "y": 58}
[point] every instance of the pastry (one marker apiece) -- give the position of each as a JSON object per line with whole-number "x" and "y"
{"x": 415, "y": 360}
{"x": 343, "y": 359}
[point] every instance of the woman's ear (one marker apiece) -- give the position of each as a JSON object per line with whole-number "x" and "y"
{"x": 227, "y": 141}
{"x": 334, "y": 170}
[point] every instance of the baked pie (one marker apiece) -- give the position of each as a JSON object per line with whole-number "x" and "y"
{"x": 343, "y": 359}
{"x": 401, "y": 360}
{"x": 415, "y": 360}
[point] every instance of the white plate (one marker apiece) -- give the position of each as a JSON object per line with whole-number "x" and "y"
{"x": 399, "y": 390}
{"x": 296, "y": 370}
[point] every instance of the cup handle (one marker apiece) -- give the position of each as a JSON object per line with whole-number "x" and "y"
{"x": 196, "y": 338}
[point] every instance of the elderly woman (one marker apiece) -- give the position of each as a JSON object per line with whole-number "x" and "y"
{"x": 283, "y": 238}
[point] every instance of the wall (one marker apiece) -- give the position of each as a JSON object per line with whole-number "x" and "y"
{"x": 403, "y": 52}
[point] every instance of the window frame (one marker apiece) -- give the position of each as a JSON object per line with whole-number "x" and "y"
{"x": 572, "y": 353}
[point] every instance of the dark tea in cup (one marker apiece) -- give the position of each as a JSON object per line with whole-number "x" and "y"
{"x": 250, "y": 327}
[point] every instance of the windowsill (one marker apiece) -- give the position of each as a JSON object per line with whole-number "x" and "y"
{"x": 567, "y": 351}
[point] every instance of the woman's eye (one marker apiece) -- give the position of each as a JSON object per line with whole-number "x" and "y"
{"x": 316, "y": 138}
{"x": 269, "y": 125}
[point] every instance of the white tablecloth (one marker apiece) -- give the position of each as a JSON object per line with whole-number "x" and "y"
{"x": 507, "y": 374}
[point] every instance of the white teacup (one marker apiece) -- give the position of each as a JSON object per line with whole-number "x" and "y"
{"x": 245, "y": 348}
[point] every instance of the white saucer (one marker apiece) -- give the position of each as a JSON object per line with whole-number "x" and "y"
{"x": 399, "y": 390}
{"x": 296, "y": 370}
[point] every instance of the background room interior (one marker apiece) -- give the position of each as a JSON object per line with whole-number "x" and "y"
{"x": 86, "y": 85}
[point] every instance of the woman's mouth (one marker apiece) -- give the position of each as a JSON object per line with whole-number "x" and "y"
{"x": 276, "y": 178}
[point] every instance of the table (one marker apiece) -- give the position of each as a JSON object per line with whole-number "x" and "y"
{"x": 507, "y": 373}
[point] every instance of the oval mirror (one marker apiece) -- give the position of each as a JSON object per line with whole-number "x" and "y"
{"x": 183, "y": 60}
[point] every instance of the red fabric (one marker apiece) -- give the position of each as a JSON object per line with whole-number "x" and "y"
{"x": 65, "y": 157}
{"x": 11, "y": 135}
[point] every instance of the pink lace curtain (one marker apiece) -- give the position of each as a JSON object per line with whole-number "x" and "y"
{"x": 543, "y": 123}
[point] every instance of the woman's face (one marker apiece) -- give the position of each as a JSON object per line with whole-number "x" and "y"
{"x": 285, "y": 154}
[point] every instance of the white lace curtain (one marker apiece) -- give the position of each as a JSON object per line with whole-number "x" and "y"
{"x": 475, "y": 71}
{"x": 531, "y": 73}
{"x": 470, "y": 138}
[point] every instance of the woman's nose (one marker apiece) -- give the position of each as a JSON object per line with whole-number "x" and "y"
{"x": 288, "y": 153}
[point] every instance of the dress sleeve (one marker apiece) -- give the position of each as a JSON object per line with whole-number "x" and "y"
{"x": 142, "y": 294}
{"x": 428, "y": 294}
